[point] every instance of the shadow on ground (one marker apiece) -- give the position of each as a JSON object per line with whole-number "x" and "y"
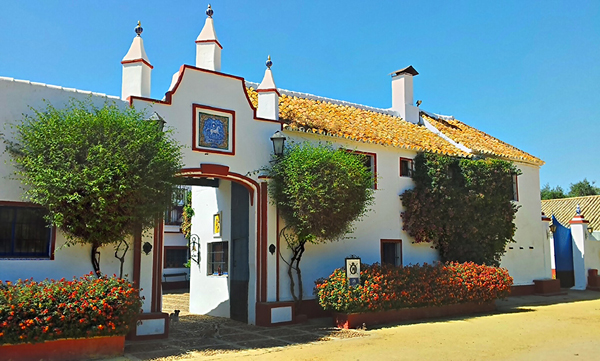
{"x": 195, "y": 334}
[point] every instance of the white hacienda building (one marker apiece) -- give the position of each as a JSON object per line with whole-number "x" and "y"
{"x": 225, "y": 124}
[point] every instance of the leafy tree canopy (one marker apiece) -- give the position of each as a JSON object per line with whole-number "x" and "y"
{"x": 579, "y": 189}
{"x": 462, "y": 206}
{"x": 101, "y": 172}
{"x": 320, "y": 191}
{"x": 583, "y": 188}
{"x": 552, "y": 193}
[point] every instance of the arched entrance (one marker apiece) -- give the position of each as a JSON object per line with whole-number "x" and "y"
{"x": 221, "y": 281}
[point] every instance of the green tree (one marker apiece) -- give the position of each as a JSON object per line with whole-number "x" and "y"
{"x": 319, "y": 191}
{"x": 103, "y": 173}
{"x": 462, "y": 206}
{"x": 583, "y": 188}
{"x": 552, "y": 193}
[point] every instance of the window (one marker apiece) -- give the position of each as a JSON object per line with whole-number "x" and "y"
{"x": 218, "y": 258}
{"x": 515, "y": 190}
{"x": 174, "y": 215}
{"x": 391, "y": 252}
{"x": 24, "y": 233}
{"x": 406, "y": 167}
{"x": 176, "y": 257}
{"x": 370, "y": 162}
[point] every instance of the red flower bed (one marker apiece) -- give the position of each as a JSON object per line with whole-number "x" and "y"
{"x": 391, "y": 288}
{"x": 49, "y": 310}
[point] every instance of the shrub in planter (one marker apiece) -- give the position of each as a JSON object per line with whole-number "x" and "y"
{"x": 385, "y": 287}
{"x": 86, "y": 307}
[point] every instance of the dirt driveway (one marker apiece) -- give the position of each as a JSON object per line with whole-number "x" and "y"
{"x": 521, "y": 329}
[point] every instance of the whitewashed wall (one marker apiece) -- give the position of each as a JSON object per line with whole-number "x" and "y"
{"x": 523, "y": 263}
{"x": 592, "y": 252}
{"x": 16, "y": 98}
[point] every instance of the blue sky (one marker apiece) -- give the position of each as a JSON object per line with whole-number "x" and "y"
{"x": 526, "y": 72}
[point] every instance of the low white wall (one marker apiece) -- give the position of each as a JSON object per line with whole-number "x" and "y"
{"x": 592, "y": 251}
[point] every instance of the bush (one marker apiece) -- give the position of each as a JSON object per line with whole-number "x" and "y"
{"x": 386, "y": 288}
{"x": 39, "y": 311}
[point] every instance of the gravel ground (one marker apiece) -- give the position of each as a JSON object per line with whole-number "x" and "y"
{"x": 194, "y": 335}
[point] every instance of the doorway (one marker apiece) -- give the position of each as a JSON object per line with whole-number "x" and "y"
{"x": 239, "y": 273}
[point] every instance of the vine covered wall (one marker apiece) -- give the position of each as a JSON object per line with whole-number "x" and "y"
{"x": 462, "y": 206}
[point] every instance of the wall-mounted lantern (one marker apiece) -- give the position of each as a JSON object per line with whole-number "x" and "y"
{"x": 553, "y": 228}
{"x": 160, "y": 122}
{"x": 278, "y": 140}
{"x": 195, "y": 248}
{"x": 590, "y": 229}
{"x": 147, "y": 248}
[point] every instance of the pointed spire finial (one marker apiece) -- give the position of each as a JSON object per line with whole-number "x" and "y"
{"x": 269, "y": 63}
{"x": 209, "y": 11}
{"x": 139, "y": 29}
{"x": 578, "y": 210}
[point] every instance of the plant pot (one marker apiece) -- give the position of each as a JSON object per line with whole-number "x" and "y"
{"x": 356, "y": 320}
{"x": 65, "y": 349}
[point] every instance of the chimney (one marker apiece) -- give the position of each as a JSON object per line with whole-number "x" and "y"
{"x": 208, "y": 49}
{"x": 268, "y": 96}
{"x": 136, "y": 68}
{"x": 402, "y": 94}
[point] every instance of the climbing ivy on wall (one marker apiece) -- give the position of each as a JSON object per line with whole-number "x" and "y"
{"x": 462, "y": 206}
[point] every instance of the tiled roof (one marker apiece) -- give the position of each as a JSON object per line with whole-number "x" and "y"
{"x": 564, "y": 209}
{"x": 356, "y": 123}
{"x": 478, "y": 141}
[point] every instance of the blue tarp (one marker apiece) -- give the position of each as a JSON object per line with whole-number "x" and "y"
{"x": 563, "y": 248}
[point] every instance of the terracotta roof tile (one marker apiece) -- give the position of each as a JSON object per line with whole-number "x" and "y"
{"x": 479, "y": 141}
{"x": 352, "y": 122}
{"x": 564, "y": 209}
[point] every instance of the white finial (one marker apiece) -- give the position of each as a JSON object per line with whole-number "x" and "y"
{"x": 578, "y": 210}
{"x": 209, "y": 11}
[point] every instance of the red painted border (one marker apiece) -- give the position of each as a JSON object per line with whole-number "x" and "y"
{"x": 253, "y": 188}
{"x": 140, "y": 60}
{"x": 195, "y": 146}
{"x": 578, "y": 220}
{"x": 65, "y": 349}
{"x": 400, "y": 164}
{"x": 516, "y": 180}
{"x": 382, "y": 241}
{"x": 210, "y": 41}
{"x": 52, "y": 236}
{"x": 157, "y": 266}
{"x": 263, "y": 241}
{"x": 374, "y": 155}
{"x": 278, "y": 255}
{"x": 182, "y": 69}
{"x": 137, "y": 258}
{"x": 268, "y": 91}
{"x": 354, "y": 320}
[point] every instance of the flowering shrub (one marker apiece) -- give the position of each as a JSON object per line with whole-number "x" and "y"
{"x": 385, "y": 287}
{"x": 38, "y": 311}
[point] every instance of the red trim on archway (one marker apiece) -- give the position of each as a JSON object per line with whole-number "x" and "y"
{"x": 222, "y": 172}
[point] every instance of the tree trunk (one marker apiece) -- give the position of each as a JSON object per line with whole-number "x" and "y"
{"x": 122, "y": 257}
{"x": 95, "y": 255}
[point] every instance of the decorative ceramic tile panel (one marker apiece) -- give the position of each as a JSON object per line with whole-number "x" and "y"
{"x": 213, "y": 131}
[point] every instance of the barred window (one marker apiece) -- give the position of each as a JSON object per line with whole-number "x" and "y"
{"x": 176, "y": 257}
{"x": 24, "y": 233}
{"x": 174, "y": 215}
{"x": 218, "y": 258}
